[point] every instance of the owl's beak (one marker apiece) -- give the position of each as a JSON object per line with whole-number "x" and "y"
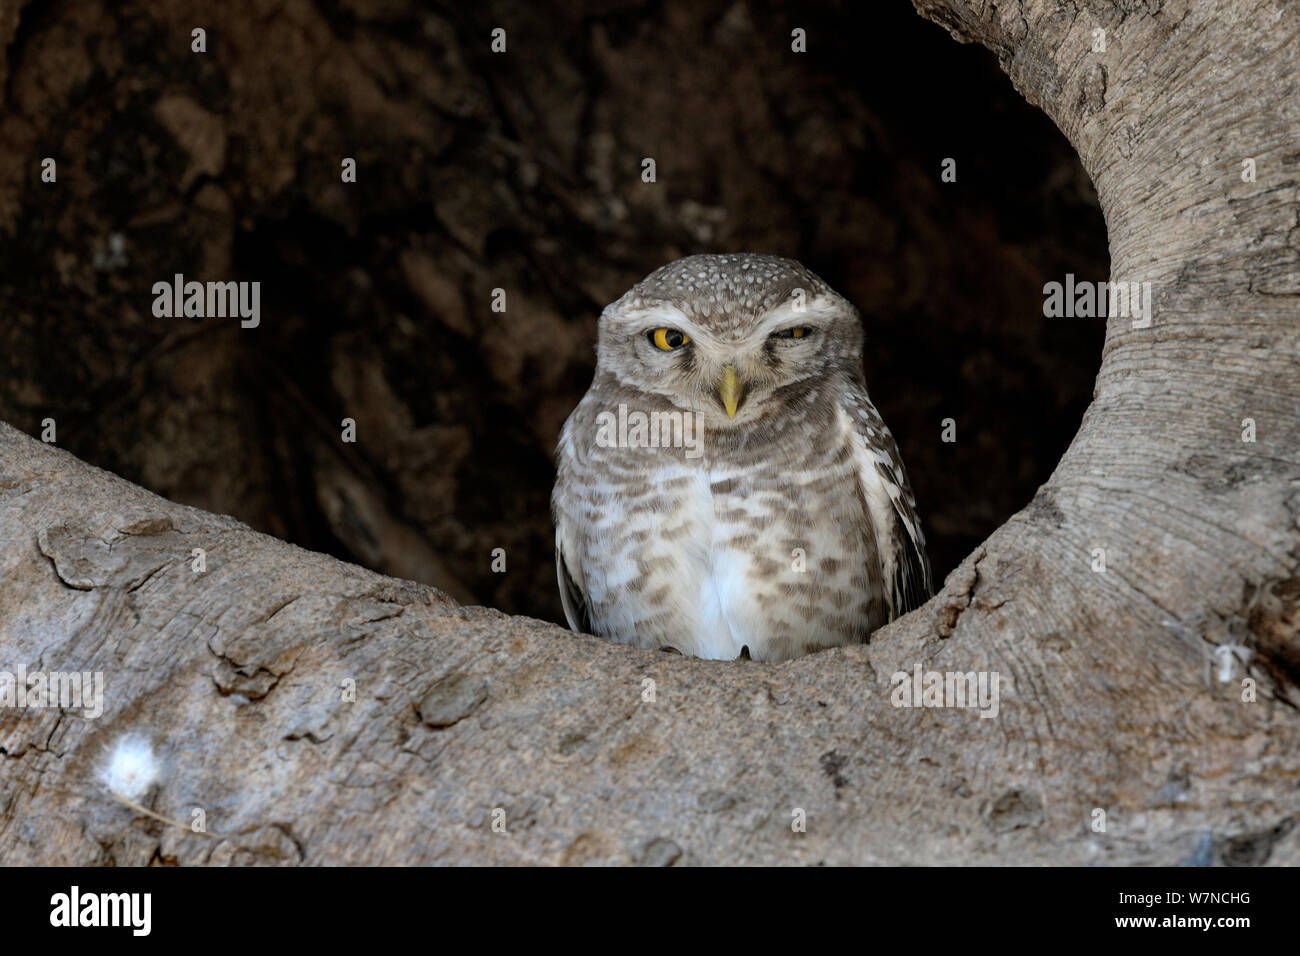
{"x": 730, "y": 390}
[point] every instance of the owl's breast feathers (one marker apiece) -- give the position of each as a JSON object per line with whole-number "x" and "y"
{"x": 780, "y": 542}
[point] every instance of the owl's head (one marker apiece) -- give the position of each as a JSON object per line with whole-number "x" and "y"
{"x": 728, "y": 336}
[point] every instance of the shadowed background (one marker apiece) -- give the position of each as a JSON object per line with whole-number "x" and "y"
{"x": 519, "y": 171}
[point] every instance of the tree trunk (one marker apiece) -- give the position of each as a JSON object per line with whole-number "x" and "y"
{"x": 478, "y": 736}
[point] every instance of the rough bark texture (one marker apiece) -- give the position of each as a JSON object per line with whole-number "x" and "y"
{"x": 1107, "y": 702}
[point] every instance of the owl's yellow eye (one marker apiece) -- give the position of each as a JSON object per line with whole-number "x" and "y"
{"x": 668, "y": 339}
{"x": 797, "y": 332}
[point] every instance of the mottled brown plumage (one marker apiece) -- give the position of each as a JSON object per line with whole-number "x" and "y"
{"x": 787, "y": 524}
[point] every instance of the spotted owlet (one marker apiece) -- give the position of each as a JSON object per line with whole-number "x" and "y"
{"x": 726, "y": 484}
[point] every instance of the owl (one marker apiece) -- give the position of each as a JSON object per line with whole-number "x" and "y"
{"x": 726, "y": 488}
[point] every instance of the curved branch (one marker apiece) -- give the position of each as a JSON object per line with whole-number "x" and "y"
{"x": 478, "y": 736}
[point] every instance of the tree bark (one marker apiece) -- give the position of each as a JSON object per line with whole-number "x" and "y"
{"x": 1111, "y": 697}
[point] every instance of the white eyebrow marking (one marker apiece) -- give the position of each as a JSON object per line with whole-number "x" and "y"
{"x": 782, "y": 315}
{"x": 663, "y": 316}
{"x": 822, "y": 307}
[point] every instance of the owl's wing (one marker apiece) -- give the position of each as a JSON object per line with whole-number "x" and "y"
{"x": 567, "y": 543}
{"x": 891, "y": 508}
{"x": 571, "y": 596}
